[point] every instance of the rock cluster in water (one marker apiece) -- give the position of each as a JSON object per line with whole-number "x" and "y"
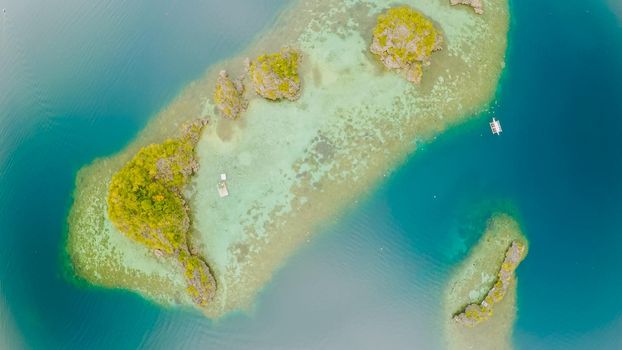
{"x": 275, "y": 76}
{"x": 228, "y": 96}
{"x": 477, "y": 5}
{"x": 475, "y": 313}
{"x": 404, "y": 40}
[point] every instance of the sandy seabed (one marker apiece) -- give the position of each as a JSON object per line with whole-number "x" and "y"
{"x": 293, "y": 166}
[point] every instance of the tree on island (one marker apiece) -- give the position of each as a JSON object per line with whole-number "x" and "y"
{"x": 145, "y": 202}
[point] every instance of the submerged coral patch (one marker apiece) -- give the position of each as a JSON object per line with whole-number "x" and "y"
{"x": 477, "y": 5}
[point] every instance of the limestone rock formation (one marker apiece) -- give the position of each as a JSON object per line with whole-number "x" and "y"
{"x": 146, "y": 203}
{"x": 275, "y": 76}
{"x": 473, "y": 314}
{"x": 477, "y": 5}
{"x": 404, "y": 40}
{"x": 228, "y": 96}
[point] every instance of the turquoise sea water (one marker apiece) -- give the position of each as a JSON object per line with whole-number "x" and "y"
{"x": 78, "y": 81}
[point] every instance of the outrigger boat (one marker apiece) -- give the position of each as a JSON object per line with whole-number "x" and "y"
{"x": 495, "y": 127}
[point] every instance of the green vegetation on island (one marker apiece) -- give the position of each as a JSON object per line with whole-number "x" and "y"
{"x": 146, "y": 203}
{"x": 404, "y": 40}
{"x": 228, "y": 96}
{"x": 475, "y": 313}
{"x": 275, "y": 76}
{"x": 352, "y": 126}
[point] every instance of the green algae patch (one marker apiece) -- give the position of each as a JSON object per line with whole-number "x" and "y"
{"x": 404, "y": 40}
{"x": 291, "y": 166}
{"x": 480, "y": 296}
{"x": 229, "y": 96}
{"x": 275, "y": 76}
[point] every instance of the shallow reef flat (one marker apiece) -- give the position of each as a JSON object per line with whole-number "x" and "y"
{"x": 292, "y": 166}
{"x": 471, "y": 282}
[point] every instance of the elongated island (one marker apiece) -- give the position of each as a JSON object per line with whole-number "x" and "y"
{"x": 480, "y": 296}
{"x": 311, "y": 117}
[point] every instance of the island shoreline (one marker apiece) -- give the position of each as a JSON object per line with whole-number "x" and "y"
{"x": 158, "y": 128}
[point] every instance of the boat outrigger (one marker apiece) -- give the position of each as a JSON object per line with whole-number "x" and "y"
{"x": 495, "y": 127}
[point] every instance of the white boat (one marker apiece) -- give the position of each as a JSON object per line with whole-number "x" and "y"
{"x": 495, "y": 127}
{"x": 222, "y": 186}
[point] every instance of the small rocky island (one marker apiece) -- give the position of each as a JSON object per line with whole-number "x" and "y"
{"x": 475, "y": 313}
{"x": 480, "y": 296}
{"x": 146, "y": 203}
{"x": 404, "y": 40}
{"x": 275, "y": 76}
{"x": 229, "y": 96}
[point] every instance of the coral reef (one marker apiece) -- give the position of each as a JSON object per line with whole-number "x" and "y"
{"x": 475, "y": 313}
{"x": 228, "y": 96}
{"x": 288, "y": 178}
{"x": 275, "y": 76}
{"x": 146, "y": 203}
{"x": 404, "y": 40}
{"x": 477, "y": 5}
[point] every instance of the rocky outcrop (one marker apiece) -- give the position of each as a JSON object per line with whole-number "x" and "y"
{"x": 475, "y": 313}
{"x": 275, "y": 76}
{"x": 200, "y": 282}
{"x": 404, "y": 40}
{"x": 228, "y": 96}
{"x": 477, "y": 5}
{"x": 146, "y": 203}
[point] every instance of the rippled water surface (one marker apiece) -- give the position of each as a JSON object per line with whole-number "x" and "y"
{"x": 79, "y": 79}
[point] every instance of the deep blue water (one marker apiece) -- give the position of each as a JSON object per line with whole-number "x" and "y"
{"x": 79, "y": 81}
